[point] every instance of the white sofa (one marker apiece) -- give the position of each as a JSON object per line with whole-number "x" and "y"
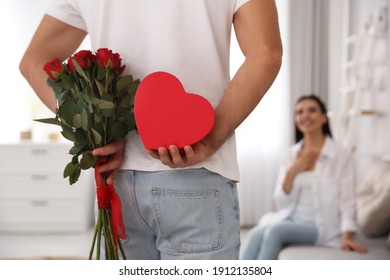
{"x": 378, "y": 249}
{"x": 373, "y": 216}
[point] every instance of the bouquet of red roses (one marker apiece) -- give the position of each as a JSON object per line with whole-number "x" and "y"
{"x": 94, "y": 108}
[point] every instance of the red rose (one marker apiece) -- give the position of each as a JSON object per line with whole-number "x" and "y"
{"x": 54, "y": 68}
{"x": 84, "y": 58}
{"x": 109, "y": 59}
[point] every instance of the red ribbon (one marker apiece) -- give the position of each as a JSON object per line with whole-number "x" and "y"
{"x": 107, "y": 198}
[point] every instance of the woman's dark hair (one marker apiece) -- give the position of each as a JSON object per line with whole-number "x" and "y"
{"x": 325, "y": 127}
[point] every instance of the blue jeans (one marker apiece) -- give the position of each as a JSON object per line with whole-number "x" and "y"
{"x": 265, "y": 242}
{"x": 179, "y": 214}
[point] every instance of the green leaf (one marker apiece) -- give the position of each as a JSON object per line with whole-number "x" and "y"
{"x": 111, "y": 77}
{"x": 67, "y": 111}
{"x": 54, "y": 121}
{"x": 108, "y": 97}
{"x": 70, "y": 168}
{"x": 84, "y": 102}
{"x": 123, "y": 84}
{"x": 77, "y": 121}
{"x": 73, "y": 178}
{"x": 88, "y": 161}
{"x": 77, "y": 149}
{"x": 100, "y": 87}
{"x": 55, "y": 85}
{"x": 118, "y": 130}
{"x": 84, "y": 120}
{"x": 102, "y": 104}
{"x": 97, "y": 138}
{"x": 60, "y": 92}
{"x": 129, "y": 121}
{"x": 67, "y": 132}
{"x": 97, "y": 118}
{"x": 81, "y": 136}
{"x": 75, "y": 159}
{"x": 80, "y": 70}
{"x": 84, "y": 85}
{"x": 101, "y": 74}
{"x": 108, "y": 112}
{"x": 67, "y": 82}
{"x": 125, "y": 100}
{"x": 134, "y": 87}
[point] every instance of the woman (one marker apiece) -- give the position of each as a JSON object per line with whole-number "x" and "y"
{"x": 315, "y": 191}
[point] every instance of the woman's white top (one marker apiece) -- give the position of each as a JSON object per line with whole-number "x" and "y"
{"x": 330, "y": 186}
{"x": 303, "y": 212}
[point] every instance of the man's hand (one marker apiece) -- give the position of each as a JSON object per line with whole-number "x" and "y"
{"x": 115, "y": 151}
{"x": 179, "y": 158}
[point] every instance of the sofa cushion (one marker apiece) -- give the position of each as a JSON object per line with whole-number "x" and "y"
{"x": 377, "y": 250}
{"x": 388, "y": 242}
{"x": 300, "y": 252}
{"x": 373, "y": 201}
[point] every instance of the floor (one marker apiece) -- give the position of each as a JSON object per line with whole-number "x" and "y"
{"x": 45, "y": 246}
{"x": 49, "y": 246}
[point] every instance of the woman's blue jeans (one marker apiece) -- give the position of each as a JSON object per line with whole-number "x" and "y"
{"x": 179, "y": 214}
{"x": 265, "y": 242}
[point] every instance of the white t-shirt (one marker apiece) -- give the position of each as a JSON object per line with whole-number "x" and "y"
{"x": 304, "y": 210}
{"x": 187, "y": 38}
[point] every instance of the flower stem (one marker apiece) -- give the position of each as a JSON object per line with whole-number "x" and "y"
{"x": 104, "y": 221}
{"x": 121, "y": 249}
{"x": 93, "y": 242}
{"x": 99, "y": 225}
{"x": 110, "y": 237}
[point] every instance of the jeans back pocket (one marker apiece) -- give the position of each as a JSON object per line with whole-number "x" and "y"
{"x": 190, "y": 220}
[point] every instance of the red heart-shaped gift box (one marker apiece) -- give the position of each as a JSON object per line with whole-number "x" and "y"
{"x": 166, "y": 115}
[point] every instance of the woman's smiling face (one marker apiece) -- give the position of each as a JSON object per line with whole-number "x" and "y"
{"x": 308, "y": 117}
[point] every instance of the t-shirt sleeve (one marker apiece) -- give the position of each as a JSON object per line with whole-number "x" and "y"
{"x": 66, "y": 11}
{"x": 239, "y": 3}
